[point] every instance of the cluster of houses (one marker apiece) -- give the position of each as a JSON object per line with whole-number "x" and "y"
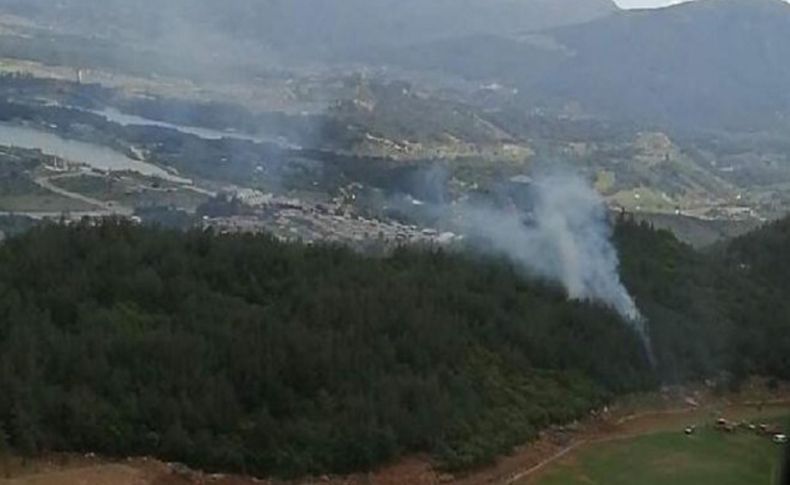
{"x": 251, "y": 211}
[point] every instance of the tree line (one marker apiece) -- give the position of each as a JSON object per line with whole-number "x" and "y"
{"x": 243, "y": 353}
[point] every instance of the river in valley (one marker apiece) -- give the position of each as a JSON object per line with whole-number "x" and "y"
{"x": 95, "y": 156}
{"x": 124, "y": 119}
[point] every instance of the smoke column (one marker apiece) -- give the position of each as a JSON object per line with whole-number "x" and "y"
{"x": 566, "y": 239}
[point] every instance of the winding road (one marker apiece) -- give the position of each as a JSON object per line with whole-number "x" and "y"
{"x": 103, "y": 207}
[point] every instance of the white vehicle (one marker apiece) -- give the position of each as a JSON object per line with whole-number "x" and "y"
{"x": 780, "y": 439}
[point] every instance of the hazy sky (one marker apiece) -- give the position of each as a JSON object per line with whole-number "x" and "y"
{"x": 646, "y": 3}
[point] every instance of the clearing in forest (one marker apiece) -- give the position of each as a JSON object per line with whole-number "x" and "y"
{"x": 708, "y": 456}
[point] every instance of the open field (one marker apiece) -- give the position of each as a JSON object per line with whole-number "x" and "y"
{"x": 654, "y": 448}
{"x": 130, "y": 190}
{"x": 640, "y": 438}
{"x": 709, "y": 457}
{"x": 41, "y": 203}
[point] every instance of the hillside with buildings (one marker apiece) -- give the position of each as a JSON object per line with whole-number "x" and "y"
{"x": 350, "y": 240}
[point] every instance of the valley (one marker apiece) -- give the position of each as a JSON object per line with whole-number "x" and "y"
{"x": 310, "y": 131}
{"x": 373, "y": 241}
{"x": 371, "y": 148}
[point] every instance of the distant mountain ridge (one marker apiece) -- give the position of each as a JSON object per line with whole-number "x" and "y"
{"x": 707, "y": 64}
{"x": 318, "y": 27}
{"x": 710, "y": 63}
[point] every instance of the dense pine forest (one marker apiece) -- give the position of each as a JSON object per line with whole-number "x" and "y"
{"x": 246, "y": 354}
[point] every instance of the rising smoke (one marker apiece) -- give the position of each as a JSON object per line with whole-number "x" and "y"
{"x": 563, "y": 235}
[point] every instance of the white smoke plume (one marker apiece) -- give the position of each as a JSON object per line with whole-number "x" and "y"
{"x": 566, "y": 239}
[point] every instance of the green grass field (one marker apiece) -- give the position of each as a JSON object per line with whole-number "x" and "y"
{"x": 38, "y": 202}
{"x": 707, "y": 458}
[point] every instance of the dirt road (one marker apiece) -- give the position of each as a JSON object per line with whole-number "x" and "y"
{"x": 102, "y": 206}
{"x": 521, "y": 468}
{"x": 98, "y": 475}
{"x": 673, "y": 420}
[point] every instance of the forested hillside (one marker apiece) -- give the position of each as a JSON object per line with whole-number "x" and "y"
{"x": 243, "y": 353}
{"x": 762, "y": 306}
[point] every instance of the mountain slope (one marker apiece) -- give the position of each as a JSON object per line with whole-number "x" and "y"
{"x": 242, "y": 353}
{"x": 311, "y": 27}
{"x": 711, "y": 62}
{"x": 761, "y": 307}
{"x": 714, "y": 63}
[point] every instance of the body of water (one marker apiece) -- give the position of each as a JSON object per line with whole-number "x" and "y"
{"x": 124, "y": 119}
{"x": 95, "y": 156}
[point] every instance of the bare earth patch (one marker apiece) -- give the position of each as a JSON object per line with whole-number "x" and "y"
{"x": 664, "y": 412}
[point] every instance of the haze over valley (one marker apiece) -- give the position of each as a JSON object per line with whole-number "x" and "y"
{"x": 409, "y": 241}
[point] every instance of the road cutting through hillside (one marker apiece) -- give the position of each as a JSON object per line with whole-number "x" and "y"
{"x": 102, "y": 206}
